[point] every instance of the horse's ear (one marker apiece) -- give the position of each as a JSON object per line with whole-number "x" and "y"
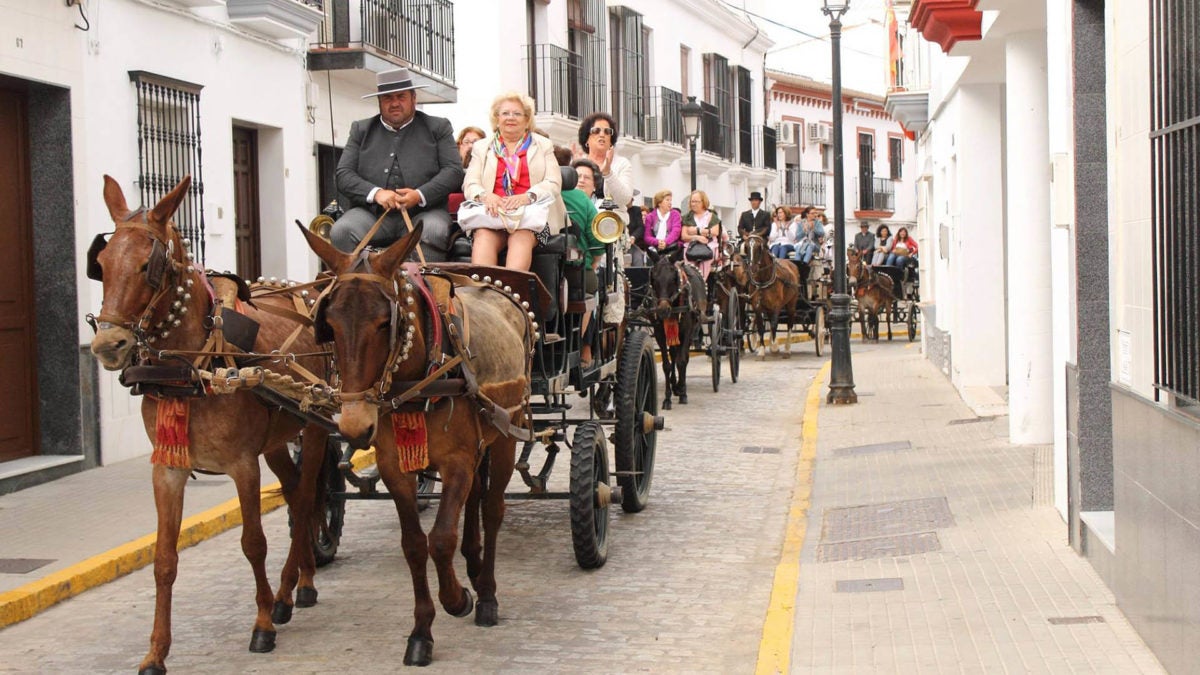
{"x": 166, "y": 207}
{"x": 392, "y": 256}
{"x": 327, "y": 252}
{"x": 115, "y": 199}
{"x": 652, "y": 253}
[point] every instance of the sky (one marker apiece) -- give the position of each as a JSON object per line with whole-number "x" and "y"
{"x": 801, "y": 34}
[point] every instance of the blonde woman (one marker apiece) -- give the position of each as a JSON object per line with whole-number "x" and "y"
{"x": 702, "y": 224}
{"x": 513, "y": 170}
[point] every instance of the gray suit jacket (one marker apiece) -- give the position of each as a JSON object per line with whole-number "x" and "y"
{"x": 428, "y": 160}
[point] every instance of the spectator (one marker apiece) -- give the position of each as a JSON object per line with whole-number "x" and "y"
{"x": 663, "y": 223}
{"x": 904, "y": 248}
{"x": 412, "y": 164}
{"x": 782, "y": 238}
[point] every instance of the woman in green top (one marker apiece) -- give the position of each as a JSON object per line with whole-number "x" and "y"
{"x": 581, "y": 209}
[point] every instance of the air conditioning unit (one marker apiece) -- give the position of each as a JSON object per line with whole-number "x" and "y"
{"x": 820, "y": 133}
{"x": 785, "y": 133}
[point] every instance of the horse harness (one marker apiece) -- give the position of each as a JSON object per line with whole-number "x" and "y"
{"x": 447, "y": 330}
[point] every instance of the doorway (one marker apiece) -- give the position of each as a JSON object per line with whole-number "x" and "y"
{"x": 247, "y": 228}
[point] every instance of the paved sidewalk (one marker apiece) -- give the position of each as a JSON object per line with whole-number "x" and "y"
{"x": 941, "y": 551}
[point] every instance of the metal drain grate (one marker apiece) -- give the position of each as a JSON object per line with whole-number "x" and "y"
{"x": 1071, "y": 620}
{"x": 879, "y": 547}
{"x": 971, "y": 420}
{"x": 870, "y": 585}
{"x": 760, "y": 450}
{"x": 873, "y": 448}
{"x": 891, "y": 518}
{"x": 22, "y": 565}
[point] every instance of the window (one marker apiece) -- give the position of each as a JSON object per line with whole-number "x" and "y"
{"x": 827, "y": 158}
{"x": 744, "y": 116}
{"x": 585, "y": 40}
{"x": 629, "y": 71}
{"x": 1175, "y": 191}
{"x": 866, "y": 171}
{"x": 168, "y": 123}
{"x": 717, "y": 131}
{"x": 896, "y": 157}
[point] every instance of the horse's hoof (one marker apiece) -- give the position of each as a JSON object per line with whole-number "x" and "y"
{"x": 683, "y": 400}
{"x": 666, "y": 404}
{"x": 152, "y": 670}
{"x": 468, "y": 605}
{"x": 262, "y": 641}
{"x": 487, "y": 613}
{"x": 281, "y": 613}
{"x": 419, "y": 651}
{"x": 306, "y": 596}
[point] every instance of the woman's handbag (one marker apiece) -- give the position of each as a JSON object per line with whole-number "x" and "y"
{"x": 698, "y": 251}
{"x": 473, "y": 215}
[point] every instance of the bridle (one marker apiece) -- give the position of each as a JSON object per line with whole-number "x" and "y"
{"x": 756, "y": 249}
{"x": 673, "y": 301}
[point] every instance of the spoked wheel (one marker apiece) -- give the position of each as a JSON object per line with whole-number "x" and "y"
{"x": 590, "y": 494}
{"x": 819, "y": 328}
{"x": 425, "y": 483}
{"x": 912, "y": 321}
{"x": 714, "y": 347}
{"x": 330, "y": 513}
{"x": 732, "y": 335}
{"x": 636, "y": 435}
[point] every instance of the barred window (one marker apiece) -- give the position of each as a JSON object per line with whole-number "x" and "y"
{"x": 1175, "y": 193}
{"x": 716, "y": 134}
{"x": 896, "y": 157}
{"x": 741, "y": 78}
{"x": 629, "y": 71}
{"x": 168, "y": 122}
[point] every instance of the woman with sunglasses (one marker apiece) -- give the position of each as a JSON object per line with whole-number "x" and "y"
{"x": 597, "y": 139}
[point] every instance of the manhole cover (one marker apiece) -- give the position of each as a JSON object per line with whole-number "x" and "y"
{"x": 870, "y": 585}
{"x": 891, "y": 518}
{"x": 879, "y": 547}
{"x": 22, "y": 565}
{"x": 873, "y": 448}
{"x": 760, "y": 450}
{"x": 1069, "y": 620}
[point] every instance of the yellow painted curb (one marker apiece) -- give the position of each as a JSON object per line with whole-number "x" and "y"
{"x": 774, "y": 650}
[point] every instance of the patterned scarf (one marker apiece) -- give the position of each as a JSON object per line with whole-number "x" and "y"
{"x": 512, "y": 162}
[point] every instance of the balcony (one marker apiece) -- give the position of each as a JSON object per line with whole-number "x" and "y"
{"x": 278, "y": 19}
{"x": 663, "y": 128}
{"x": 563, "y": 90}
{"x": 365, "y": 37}
{"x": 877, "y": 202}
{"x": 804, "y": 188}
{"x": 716, "y": 135}
{"x": 909, "y": 108}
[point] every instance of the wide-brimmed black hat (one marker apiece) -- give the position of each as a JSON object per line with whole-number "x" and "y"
{"x": 392, "y": 81}
{"x": 756, "y": 195}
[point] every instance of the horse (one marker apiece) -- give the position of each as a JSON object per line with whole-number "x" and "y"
{"x": 680, "y": 301}
{"x": 875, "y": 293}
{"x": 396, "y": 329}
{"x": 158, "y": 312}
{"x": 774, "y": 290}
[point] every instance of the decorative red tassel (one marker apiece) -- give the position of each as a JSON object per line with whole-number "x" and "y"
{"x": 412, "y": 440}
{"x": 671, "y": 327}
{"x": 171, "y": 434}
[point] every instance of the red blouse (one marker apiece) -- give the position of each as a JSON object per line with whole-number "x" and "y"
{"x": 522, "y": 184}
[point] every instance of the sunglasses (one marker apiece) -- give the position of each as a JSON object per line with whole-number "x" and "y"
{"x": 607, "y": 131}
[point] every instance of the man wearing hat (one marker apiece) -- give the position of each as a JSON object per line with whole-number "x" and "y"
{"x": 400, "y": 158}
{"x": 756, "y": 220}
{"x": 864, "y": 241}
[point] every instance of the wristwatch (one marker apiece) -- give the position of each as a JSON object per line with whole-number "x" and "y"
{"x": 532, "y": 196}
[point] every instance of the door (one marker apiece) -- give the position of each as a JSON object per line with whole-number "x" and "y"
{"x": 18, "y": 356}
{"x": 866, "y": 172}
{"x": 245, "y": 203}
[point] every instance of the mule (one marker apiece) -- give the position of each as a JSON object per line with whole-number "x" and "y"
{"x": 875, "y": 293}
{"x": 774, "y": 290}
{"x": 391, "y": 324}
{"x": 680, "y": 302}
{"x": 157, "y": 312}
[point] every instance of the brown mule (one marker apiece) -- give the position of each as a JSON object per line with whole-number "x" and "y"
{"x": 386, "y": 336}
{"x": 155, "y": 300}
{"x": 774, "y": 290}
{"x": 875, "y": 294}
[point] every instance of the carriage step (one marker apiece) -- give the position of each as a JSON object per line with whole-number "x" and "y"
{"x": 551, "y": 338}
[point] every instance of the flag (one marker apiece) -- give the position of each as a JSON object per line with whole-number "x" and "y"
{"x": 894, "y": 51}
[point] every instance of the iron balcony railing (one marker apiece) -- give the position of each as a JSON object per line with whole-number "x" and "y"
{"x": 418, "y": 32}
{"x": 804, "y": 188}
{"x": 559, "y": 83}
{"x": 880, "y": 197}
{"x": 664, "y": 122}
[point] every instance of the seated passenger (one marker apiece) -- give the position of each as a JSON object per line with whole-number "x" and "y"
{"x": 515, "y": 181}
{"x": 581, "y": 210}
{"x": 810, "y": 236}
{"x": 883, "y": 245}
{"x": 663, "y": 223}
{"x": 702, "y": 224}
{"x": 782, "y": 238}
{"x": 904, "y": 248}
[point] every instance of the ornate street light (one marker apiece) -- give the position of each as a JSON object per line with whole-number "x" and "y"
{"x": 841, "y": 376}
{"x": 691, "y": 112}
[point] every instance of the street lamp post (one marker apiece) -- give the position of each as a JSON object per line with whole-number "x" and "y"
{"x": 841, "y": 376}
{"x": 691, "y": 112}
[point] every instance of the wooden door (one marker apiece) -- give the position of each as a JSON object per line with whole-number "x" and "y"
{"x": 18, "y": 355}
{"x": 245, "y": 203}
{"x": 866, "y": 172}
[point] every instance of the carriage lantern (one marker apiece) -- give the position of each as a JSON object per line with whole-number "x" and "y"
{"x": 841, "y": 374}
{"x": 691, "y": 112}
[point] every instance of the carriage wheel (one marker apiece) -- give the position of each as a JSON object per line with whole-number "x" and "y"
{"x": 589, "y": 496}
{"x": 330, "y": 514}
{"x": 732, "y": 334}
{"x": 715, "y": 346}
{"x": 912, "y": 321}
{"x": 819, "y": 328}
{"x": 425, "y": 482}
{"x": 637, "y": 408}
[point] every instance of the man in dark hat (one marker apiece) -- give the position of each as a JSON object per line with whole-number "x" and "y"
{"x": 400, "y": 158}
{"x": 756, "y": 220}
{"x": 864, "y": 241}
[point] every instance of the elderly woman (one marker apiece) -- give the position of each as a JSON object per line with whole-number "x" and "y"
{"x": 702, "y": 224}
{"x": 466, "y": 139}
{"x": 597, "y": 140}
{"x": 516, "y": 179}
{"x": 663, "y": 224}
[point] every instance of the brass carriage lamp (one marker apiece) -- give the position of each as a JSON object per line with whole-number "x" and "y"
{"x": 691, "y": 112}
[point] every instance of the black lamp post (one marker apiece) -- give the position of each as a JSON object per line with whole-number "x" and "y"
{"x": 691, "y": 112}
{"x": 841, "y": 376}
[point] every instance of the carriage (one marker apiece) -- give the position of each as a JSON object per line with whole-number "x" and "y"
{"x": 887, "y": 290}
{"x": 906, "y": 281}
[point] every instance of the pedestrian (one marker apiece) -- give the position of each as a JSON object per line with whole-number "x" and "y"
{"x": 756, "y": 220}
{"x": 399, "y": 159}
